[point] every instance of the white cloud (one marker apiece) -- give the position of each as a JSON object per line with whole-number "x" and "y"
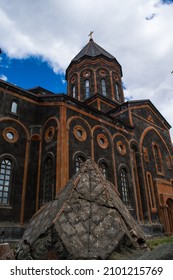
{"x": 57, "y": 30}
{"x": 3, "y": 77}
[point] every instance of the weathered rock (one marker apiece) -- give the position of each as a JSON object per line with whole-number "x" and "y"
{"x": 6, "y": 253}
{"x": 162, "y": 252}
{"x": 87, "y": 221}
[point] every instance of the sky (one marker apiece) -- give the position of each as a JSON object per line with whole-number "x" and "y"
{"x": 39, "y": 38}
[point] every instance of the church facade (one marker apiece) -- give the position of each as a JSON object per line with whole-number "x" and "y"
{"x": 45, "y": 137}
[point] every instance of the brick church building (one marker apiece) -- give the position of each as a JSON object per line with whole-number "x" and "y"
{"x": 45, "y": 137}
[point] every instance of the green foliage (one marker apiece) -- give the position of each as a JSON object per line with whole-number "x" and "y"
{"x": 153, "y": 243}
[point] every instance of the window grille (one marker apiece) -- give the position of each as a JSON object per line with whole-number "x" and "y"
{"x": 5, "y": 180}
{"x": 124, "y": 186}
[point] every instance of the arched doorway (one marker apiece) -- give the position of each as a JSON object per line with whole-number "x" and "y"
{"x": 170, "y": 213}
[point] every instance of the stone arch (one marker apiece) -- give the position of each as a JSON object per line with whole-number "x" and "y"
{"x": 73, "y": 81}
{"x": 103, "y": 73}
{"x": 24, "y": 169}
{"x": 104, "y": 131}
{"x": 104, "y": 166}
{"x": 155, "y": 130}
{"x": 79, "y": 158}
{"x": 49, "y": 120}
{"x": 77, "y": 117}
{"x": 124, "y": 184}
{"x": 81, "y": 142}
{"x": 104, "y": 150}
{"x": 102, "y": 127}
{"x": 116, "y": 135}
{"x": 86, "y": 74}
{"x": 10, "y": 181}
{"x": 19, "y": 123}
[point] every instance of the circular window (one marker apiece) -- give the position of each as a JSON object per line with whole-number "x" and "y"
{"x": 116, "y": 77}
{"x": 10, "y": 134}
{"x": 102, "y": 73}
{"x": 121, "y": 148}
{"x": 80, "y": 133}
{"x": 86, "y": 73}
{"x": 73, "y": 79}
{"x": 50, "y": 132}
{"x": 102, "y": 141}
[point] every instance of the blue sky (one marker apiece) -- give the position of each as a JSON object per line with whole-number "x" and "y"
{"x": 30, "y": 72}
{"x": 38, "y": 41}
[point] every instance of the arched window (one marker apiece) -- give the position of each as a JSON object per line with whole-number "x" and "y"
{"x": 5, "y": 181}
{"x": 103, "y": 86}
{"x": 117, "y": 94}
{"x": 104, "y": 168}
{"x": 14, "y": 106}
{"x": 87, "y": 88}
{"x": 151, "y": 194}
{"x": 78, "y": 161}
{"x": 158, "y": 158}
{"x": 124, "y": 186}
{"x": 48, "y": 179}
{"x": 74, "y": 91}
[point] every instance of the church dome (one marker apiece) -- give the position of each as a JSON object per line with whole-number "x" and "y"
{"x": 95, "y": 71}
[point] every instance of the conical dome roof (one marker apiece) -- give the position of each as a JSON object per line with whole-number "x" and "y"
{"x": 92, "y": 50}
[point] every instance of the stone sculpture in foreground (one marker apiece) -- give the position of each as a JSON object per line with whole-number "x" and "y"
{"x": 88, "y": 220}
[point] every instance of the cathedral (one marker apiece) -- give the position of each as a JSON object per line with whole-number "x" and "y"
{"x": 45, "y": 137}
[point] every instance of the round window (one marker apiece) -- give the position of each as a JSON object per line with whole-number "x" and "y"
{"x": 121, "y": 147}
{"x": 102, "y": 141}
{"x": 80, "y": 133}
{"x": 102, "y": 73}
{"x": 73, "y": 79}
{"x": 10, "y": 134}
{"x": 50, "y": 132}
{"x": 116, "y": 77}
{"x": 86, "y": 73}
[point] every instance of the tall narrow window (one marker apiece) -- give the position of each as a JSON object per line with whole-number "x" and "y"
{"x": 14, "y": 107}
{"x": 124, "y": 186}
{"x": 117, "y": 94}
{"x": 87, "y": 88}
{"x": 151, "y": 194}
{"x": 74, "y": 91}
{"x": 158, "y": 159}
{"x": 48, "y": 179}
{"x": 104, "y": 168}
{"x": 78, "y": 161}
{"x": 5, "y": 180}
{"x": 103, "y": 86}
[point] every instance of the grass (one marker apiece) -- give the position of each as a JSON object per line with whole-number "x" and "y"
{"x": 153, "y": 243}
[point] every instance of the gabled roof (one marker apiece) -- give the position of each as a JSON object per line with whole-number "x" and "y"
{"x": 134, "y": 103}
{"x": 40, "y": 90}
